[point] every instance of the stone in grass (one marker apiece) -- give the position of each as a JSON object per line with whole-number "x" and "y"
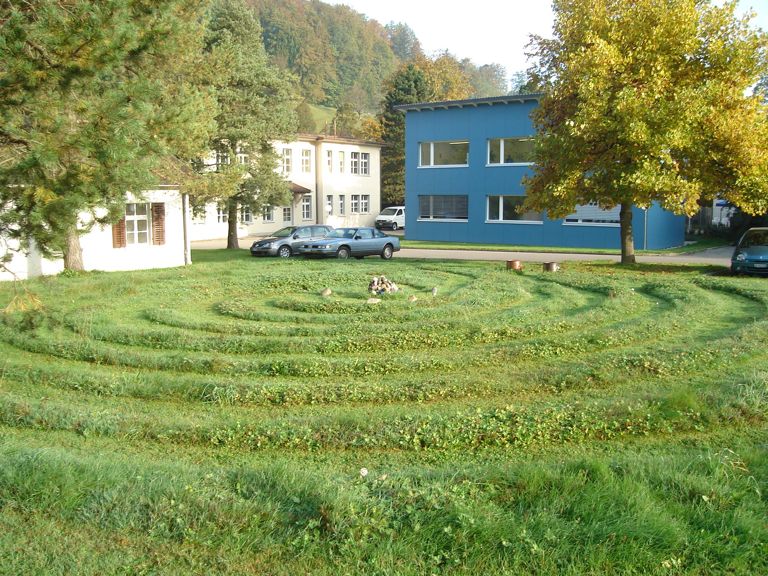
{"x": 412, "y": 298}
{"x": 373, "y": 300}
{"x": 326, "y": 292}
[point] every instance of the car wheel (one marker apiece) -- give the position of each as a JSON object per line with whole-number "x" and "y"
{"x": 284, "y": 252}
{"x": 343, "y": 253}
{"x": 386, "y": 253}
{"x": 394, "y": 226}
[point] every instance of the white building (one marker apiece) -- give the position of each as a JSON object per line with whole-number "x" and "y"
{"x": 335, "y": 181}
{"x": 153, "y": 234}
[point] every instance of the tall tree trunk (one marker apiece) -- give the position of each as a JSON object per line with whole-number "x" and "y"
{"x": 627, "y": 241}
{"x": 73, "y": 253}
{"x": 232, "y": 242}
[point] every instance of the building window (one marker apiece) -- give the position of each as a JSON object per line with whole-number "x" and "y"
{"x": 222, "y": 159}
{"x": 306, "y": 207}
{"x": 593, "y": 214}
{"x": 286, "y": 214}
{"x": 242, "y": 158}
{"x": 510, "y": 150}
{"x": 142, "y": 223}
{"x": 507, "y": 209}
{"x": 268, "y": 214}
{"x": 341, "y": 162}
{"x": 444, "y": 154}
{"x": 306, "y": 161}
{"x": 246, "y": 217}
{"x": 443, "y": 207}
{"x": 342, "y": 208}
{"x": 354, "y": 205}
{"x": 329, "y": 156}
{"x": 365, "y": 201}
{"x": 287, "y": 160}
{"x": 136, "y": 224}
{"x": 359, "y": 163}
{"x": 222, "y": 215}
{"x": 329, "y": 204}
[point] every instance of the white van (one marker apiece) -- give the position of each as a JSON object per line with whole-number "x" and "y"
{"x": 392, "y": 217}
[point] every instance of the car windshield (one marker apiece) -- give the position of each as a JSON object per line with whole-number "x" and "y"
{"x": 342, "y": 233}
{"x": 284, "y": 232}
{"x": 755, "y": 238}
{"x": 388, "y": 212}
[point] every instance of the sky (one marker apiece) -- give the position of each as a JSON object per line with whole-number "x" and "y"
{"x": 485, "y": 31}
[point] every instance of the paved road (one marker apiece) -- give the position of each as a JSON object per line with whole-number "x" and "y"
{"x": 714, "y": 256}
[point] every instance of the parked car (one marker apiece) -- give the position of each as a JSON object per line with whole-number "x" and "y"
{"x": 392, "y": 217}
{"x": 751, "y": 254}
{"x": 355, "y": 242}
{"x": 287, "y": 241}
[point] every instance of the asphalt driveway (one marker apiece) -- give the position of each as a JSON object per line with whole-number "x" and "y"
{"x": 714, "y": 256}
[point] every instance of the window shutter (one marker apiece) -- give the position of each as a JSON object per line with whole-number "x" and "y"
{"x": 158, "y": 223}
{"x": 118, "y": 234}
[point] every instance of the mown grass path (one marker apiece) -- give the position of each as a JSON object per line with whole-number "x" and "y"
{"x": 227, "y": 418}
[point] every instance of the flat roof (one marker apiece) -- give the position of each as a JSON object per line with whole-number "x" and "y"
{"x": 336, "y": 140}
{"x": 471, "y": 103}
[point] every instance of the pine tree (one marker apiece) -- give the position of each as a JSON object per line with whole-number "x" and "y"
{"x": 93, "y": 97}
{"x": 408, "y": 86}
{"x": 256, "y": 106}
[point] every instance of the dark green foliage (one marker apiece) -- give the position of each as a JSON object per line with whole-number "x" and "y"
{"x": 338, "y": 55}
{"x": 407, "y": 86}
{"x": 94, "y": 98}
{"x": 256, "y": 106}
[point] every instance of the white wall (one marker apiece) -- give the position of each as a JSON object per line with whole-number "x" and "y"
{"x": 23, "y": 266}
{"x": 321, "y": 181}
{"x": 99, "y": 254}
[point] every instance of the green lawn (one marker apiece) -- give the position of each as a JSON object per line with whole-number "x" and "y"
{"x": 226, "y": 418}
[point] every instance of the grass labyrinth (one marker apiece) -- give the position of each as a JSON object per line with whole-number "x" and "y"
{"x": 227, "y": 418}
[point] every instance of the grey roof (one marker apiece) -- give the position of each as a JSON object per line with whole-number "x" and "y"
{"x": 471, "y": 103}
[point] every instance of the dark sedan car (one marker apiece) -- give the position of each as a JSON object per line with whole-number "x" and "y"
{"x": 751, "y": 254}
{"x": 287, "y": 241}
{"x": 355, "y": 242}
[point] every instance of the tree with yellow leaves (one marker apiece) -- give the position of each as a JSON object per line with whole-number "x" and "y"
{"x": 650, "y": 101}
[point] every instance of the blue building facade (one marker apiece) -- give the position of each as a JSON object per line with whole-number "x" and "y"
{"x": 465, "y": 162}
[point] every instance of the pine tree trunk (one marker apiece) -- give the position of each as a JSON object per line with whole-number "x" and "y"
{"x": 73, "y": 253}
{"x": 232, "y": 242}
{"x": 627, "y": 241}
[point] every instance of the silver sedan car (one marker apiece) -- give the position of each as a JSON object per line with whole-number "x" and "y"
{"x": 287, "y": 241}
{"x": 355, "y": 242}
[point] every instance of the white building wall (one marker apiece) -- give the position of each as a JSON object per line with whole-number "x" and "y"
{"x": 363, "y": 190}
{"x": 23, "y": 266}
{"x": 320, "y": 181}
{"x": 99, "y": 254}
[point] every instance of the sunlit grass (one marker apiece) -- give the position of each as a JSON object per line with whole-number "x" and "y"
{"x": 227, "y": 418}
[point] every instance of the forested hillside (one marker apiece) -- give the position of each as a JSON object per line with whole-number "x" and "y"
{"x": 342, "y": 58}
{"x": 338, "y": 55}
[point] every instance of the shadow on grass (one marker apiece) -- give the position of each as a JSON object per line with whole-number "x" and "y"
{"x": 652, "y": 268}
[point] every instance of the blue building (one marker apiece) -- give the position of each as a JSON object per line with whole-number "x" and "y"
{"x": 464, "y": 165}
